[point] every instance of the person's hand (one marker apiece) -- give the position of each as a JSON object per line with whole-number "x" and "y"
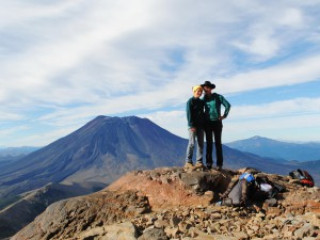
{"x": 221, "y": 118}
{"x": 223, "y": 195}
{"x": 193, "y": 129}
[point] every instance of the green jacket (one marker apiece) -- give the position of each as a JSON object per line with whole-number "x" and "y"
{"x": 213, "y": 107}
{"x": 195, "y": 112}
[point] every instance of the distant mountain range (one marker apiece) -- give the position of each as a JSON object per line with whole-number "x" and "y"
{"x": 10, "y": 154}
{"x": 100, "y": 152}
{"x": 16, "y": 151}
{"x": 266, "y": 147}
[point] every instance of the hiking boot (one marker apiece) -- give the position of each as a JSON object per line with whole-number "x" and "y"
{"x": 188, "y": 165}
{"x": 199, "y": 165}
{"x": 219, "y": 168}
{"x": 209, "y": 166}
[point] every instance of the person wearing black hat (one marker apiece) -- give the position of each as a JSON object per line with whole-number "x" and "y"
{"x": 213, "y": 122}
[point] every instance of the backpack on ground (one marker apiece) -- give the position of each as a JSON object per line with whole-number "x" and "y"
{"x": 239, "y": 191}
{"x": 267, "y": 189}
{"x": 304, "y": 177}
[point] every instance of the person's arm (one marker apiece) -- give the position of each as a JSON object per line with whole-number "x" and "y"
{"x": 226, "y": 105}
{"x": 231, "y": 184}
{"x": 189, "y": 113}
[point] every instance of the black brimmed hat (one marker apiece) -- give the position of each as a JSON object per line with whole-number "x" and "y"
{"x": 208, "y": 84}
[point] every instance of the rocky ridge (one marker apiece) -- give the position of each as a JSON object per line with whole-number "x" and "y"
{"x": 171, "y": 203}
{"x": 31, "y": 204}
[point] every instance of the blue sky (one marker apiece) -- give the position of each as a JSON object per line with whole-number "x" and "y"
{"x": 62, "y": 63}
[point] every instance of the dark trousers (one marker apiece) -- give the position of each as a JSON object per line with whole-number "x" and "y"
{"x": 216, "y": 129}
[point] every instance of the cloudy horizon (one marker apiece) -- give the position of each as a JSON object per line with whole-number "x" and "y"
{"x": 63, "y": 63}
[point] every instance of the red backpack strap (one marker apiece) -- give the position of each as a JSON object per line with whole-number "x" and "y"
{"x": 307, "y": 179}
{"x": 307, "y": 182}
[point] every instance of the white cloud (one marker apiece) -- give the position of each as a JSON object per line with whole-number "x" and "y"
{"x": 38, "y": 67}
{"x": 79, "y": 59}
{"x": 9, "y": 131}
{"x": 18, "y": 12}
{"x": 246, "y": 121}
{"x": 292, "y": 107}
{"x": 298, "y": 128}
{"x": 296, "y": 119}
{"x": 263, "y": 46}
{"x": 128, "y": 42}
{"x": 9, "y": 116}
{"x": 292, "y": 17}
{"x": 37, "y": 139}
{"x": 173, "y": 121}
{"x": 290, "y": 73}
{"x": 177, "y": 92}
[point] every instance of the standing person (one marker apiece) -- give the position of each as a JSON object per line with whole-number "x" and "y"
{"x": 213, "y": 122}
{"x": 195, "y": 117}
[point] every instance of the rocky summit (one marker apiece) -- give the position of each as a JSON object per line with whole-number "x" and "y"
{"x": 172, "y": 203}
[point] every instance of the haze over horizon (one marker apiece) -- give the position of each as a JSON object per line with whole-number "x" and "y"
{"x": 63, "y": 63}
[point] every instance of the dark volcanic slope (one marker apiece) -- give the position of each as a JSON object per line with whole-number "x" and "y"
{"x": 101, "y": 151}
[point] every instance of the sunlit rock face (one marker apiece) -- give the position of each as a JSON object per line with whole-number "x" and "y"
{"x": 172, "y": 203}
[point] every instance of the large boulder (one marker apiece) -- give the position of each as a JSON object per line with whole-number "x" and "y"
{"x": 85, "y": 215}
{"x": 170, "y": 187}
